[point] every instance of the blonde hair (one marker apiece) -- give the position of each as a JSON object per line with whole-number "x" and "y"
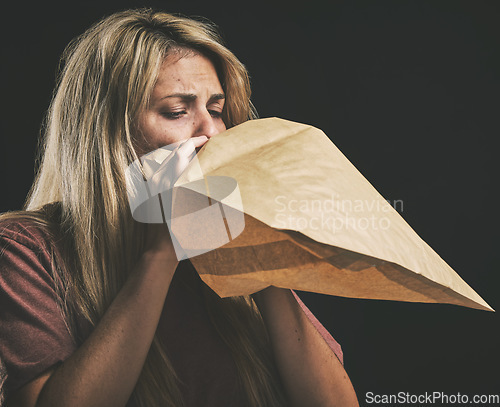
{"x": 108, "y": 76}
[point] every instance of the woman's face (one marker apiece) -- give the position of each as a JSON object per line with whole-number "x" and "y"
{"x": 187, "y": 101}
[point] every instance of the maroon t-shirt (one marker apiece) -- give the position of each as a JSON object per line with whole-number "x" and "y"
{"x": 34, "y": 335}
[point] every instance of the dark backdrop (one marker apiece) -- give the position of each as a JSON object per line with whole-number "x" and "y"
{"x": 408, "y": 90}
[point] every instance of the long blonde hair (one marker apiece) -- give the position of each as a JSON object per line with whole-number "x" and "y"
{"x": 109, "y": 73}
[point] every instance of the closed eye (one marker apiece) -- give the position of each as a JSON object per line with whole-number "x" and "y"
{"x": 215, "y": 113}
{"x": 173, "y": 115}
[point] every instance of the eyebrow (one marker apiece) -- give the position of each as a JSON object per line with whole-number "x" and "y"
{"x": 191, "y": 96}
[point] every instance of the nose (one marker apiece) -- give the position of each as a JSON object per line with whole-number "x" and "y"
{"x": 205, "y": 125}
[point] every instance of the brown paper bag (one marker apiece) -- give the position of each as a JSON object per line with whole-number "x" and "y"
{"x": 313, "y": 223}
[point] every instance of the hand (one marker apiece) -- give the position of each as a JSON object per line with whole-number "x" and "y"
{"x": 174, "y": 160}
{"x": 161, "y": 168}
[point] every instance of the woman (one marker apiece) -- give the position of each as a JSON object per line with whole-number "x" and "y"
{"x": 90, "y": 284}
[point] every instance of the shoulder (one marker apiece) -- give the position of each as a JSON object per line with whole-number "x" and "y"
{"x": 27, "y": 248}
{"x": 37, "y": 229}
{"x": 24, "y": 229}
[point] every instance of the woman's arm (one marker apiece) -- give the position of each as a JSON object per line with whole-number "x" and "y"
{"x": 310, "y": 371}
{"x": 104, "y": 370}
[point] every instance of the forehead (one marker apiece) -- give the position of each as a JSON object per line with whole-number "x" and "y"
{"x": 190, "y": 73}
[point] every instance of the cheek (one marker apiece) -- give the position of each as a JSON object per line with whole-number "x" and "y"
{"x": 151, "y": 134}
{"x": 158, "y": 131}
{"x": 221, "y": 126}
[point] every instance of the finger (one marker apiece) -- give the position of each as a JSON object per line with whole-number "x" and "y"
{"x": 180, "y": 166}
{"x": 198, "y": 141}
{"x": 183, "y": 153}
{"x": 186, "y": 149}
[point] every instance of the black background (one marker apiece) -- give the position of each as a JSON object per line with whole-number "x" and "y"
{"x": 408, "y": 90}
